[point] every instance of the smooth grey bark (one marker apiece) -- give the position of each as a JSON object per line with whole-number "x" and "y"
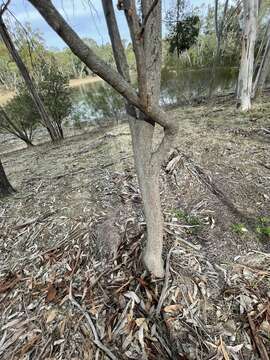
{"x": 219, "y": 28}
{"x": 148, "y": 56}
{"x": 146, "y": 39}
{"x": 5, "y": 186}
{"x": 45, "y": 117}
{"x": 264, "y": 68}
{"x": 244, "y": 90}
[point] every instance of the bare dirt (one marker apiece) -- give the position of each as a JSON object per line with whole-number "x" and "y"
{"x": 72, "y": 237}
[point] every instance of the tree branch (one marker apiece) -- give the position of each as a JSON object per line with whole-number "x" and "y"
{"x": 96, "y": 64}
{"x": 4, "y": 7}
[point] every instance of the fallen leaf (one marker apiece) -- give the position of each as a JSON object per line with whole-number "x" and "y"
{"x": 51, "y": 316}
{"x": 8, "y": 283}
{"x": 140, "y": 321}
{"x": 51, "y": 293}
{"x": 172, "y": 308}
{"x": 29, "y": 345}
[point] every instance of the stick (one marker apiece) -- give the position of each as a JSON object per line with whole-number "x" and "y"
{"x": 96, "y": 340}
{"x": 165, "y": 285}
{"x": 259, "y": 344}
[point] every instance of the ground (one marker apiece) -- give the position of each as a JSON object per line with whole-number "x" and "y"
{"x": 71, "y": 277}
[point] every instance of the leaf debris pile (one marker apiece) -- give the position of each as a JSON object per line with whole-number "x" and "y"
{"x": 205, "y": 310}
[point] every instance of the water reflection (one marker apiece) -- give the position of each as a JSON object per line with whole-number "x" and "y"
{"x": 99, "y": 102}
{"x": 185, "y": 86}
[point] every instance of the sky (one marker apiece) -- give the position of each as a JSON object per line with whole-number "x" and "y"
{"x": 86, "y": 19}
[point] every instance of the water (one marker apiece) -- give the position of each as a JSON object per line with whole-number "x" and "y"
{"x": 98, "y": 101}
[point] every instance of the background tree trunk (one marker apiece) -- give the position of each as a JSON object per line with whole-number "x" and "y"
{"x": 250, "y": 9}
{"x": 45, "y": 117}
{"x": 219, "y": 28}
{"x": 264, "y": 68}
{"x": 5, "y": 187}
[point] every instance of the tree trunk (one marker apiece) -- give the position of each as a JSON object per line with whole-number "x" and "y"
{"x": 146, "y": 39}
{"x": 45, "y": 118}
{"x": 5, "y": 187}
{"x": 219, "y": 28}
{"x": 142, "y": 131}
{"x": 148, "y": 176}
{"x": 264, "y": 68}
{"x": 250, "y": 8}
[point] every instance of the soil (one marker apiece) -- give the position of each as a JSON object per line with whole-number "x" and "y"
{"x": 75, "y": 198}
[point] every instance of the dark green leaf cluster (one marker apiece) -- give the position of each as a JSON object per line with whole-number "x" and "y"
{"x": 183, "y": 34}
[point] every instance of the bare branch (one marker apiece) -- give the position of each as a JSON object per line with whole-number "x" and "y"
{"x": 4, "y": 7}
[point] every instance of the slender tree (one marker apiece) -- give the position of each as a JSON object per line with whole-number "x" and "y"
{"x": 219, "y": 30}
{"x": 44, "y": 115}
{"x": 264, "y": 67}
{"x": 244, "y": 89}
{"x": 5, "y": 186}
{"x": 145, "y": 31}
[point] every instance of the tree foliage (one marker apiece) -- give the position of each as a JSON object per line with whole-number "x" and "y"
{"x": 183, "y": 34}
{"x": 54, "y": 91}
{"x": 22, "y": 116}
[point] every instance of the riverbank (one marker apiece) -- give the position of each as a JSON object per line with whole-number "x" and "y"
{"x": 79, "y": 200}
{"x": 6, "y": 95}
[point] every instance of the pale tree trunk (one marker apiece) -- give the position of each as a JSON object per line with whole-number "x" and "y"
{"x": 264, "y": 68}
{"x": 5, "y": 187}
{"x": 244, "y": 90}
{"x": 142, "y": 131}
{"x": 46, "y": 121}
{"x": 219, "y": 28}
{"x": 147, "y": 165}
{"x": 146, "y": 39}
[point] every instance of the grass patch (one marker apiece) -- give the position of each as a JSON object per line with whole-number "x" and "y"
{"x": 191, "y": 220}
{"x": 239, "y": 229}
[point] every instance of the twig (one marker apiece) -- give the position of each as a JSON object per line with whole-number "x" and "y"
{"x": 165, "y": 285}
{"x": 44, "y": 349}
{"x": 4, "y": 7}
{"x": 195, "y": 247}
{"x": 96, "y": 340}
{"x": 266, "y": 130}
{"x": 33, "y": 221}
{"x": 259, "y": 344}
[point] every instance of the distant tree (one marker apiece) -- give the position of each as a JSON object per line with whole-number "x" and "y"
{"x": 5, "y": 186}
{"x": 44, "y": 115}
{"x": 53, "y": 87}
{"x": 183, "y": 26}
{"x": 17, "y": 117}
{"x": 264, "y": 67}
{"x": 183, "y": 34}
